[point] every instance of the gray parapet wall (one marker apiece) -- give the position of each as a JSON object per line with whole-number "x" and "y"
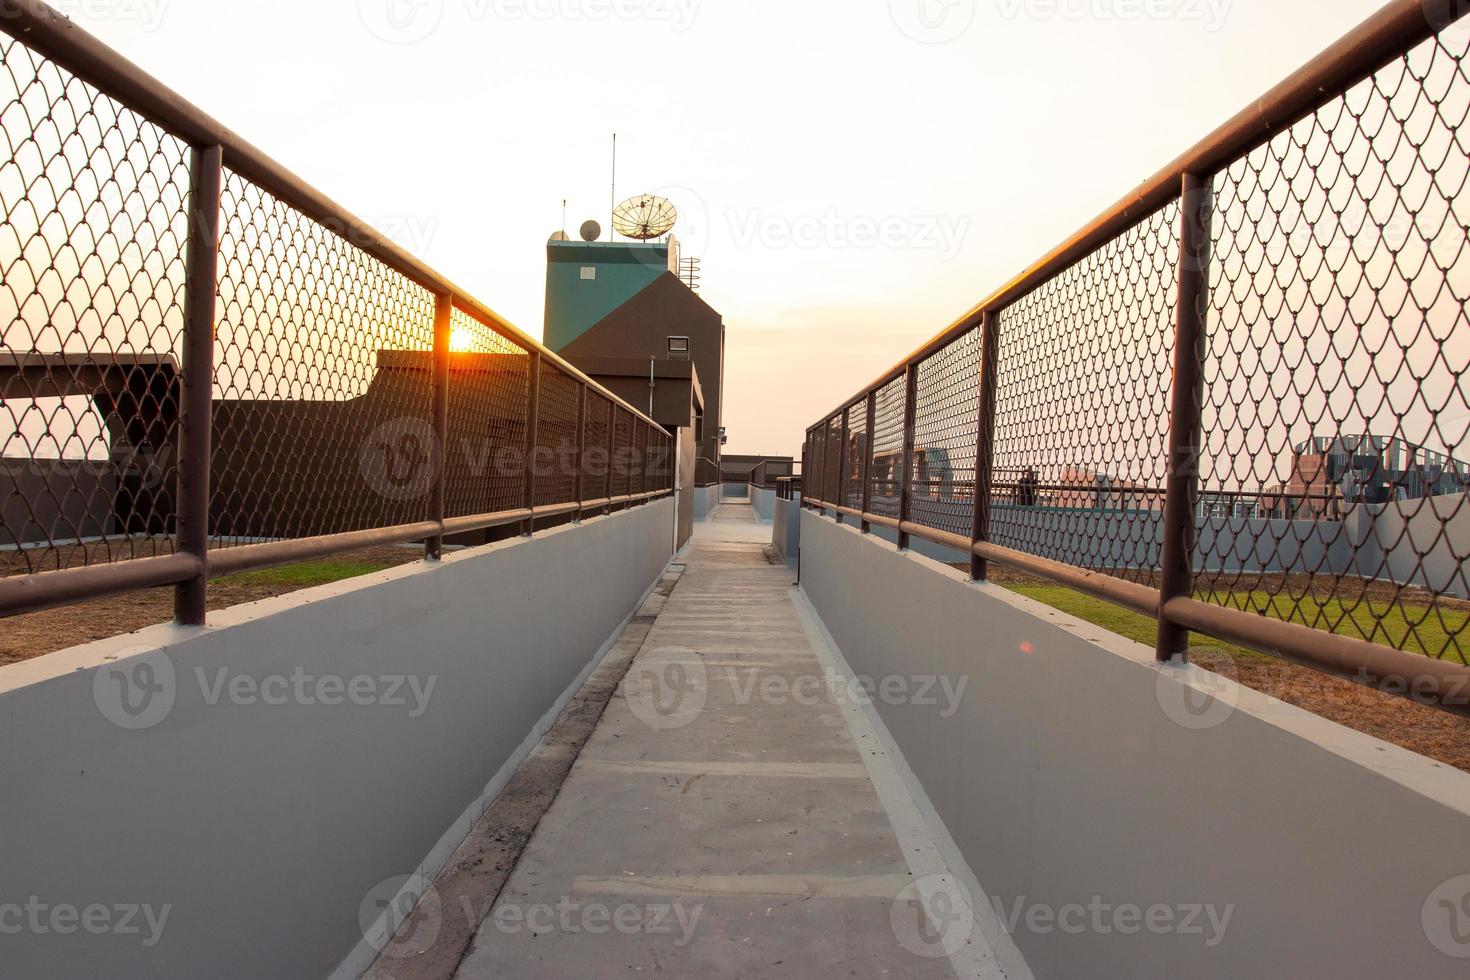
{"x": 706, "y": 502}
{"x": 1075, "y": 772}
{"x": 270, "y": 779}
{"x": 786, "y": 529}
{"x": 763, "y": 501}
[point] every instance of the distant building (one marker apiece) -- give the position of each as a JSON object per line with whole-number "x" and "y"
{"x": 624, "y": 301}
{"x": 1084, "y": 489}
{"x": 762, "y": 471}
{"x": 1328, "y": 472}
{"x": 620, "y": 312}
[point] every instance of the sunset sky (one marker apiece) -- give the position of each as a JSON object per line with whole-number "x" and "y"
{"x": 853, "y": 173}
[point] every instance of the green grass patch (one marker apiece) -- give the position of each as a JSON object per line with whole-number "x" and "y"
{"x": 1416, "y": 629}
{"x": 304, "y": 575}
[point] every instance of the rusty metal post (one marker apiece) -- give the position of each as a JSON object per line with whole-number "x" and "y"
{"x": 612, "y": 448}
{"x": 806, "y": 467}
{"x": 868, "y": 452}
{"x": 826, "y": 462}
{"x": 196, "y": 400}
{"x": 815, "y": 490}
{"x": 443, "y": 317}
{"x": 906, "y": 489}
{"x": 581, "y": 490}
{"x": 985, "y": 438}
{"x": 533, "y": 424}
{"x": 844, "y": 454}
{"x": 1177, "y": 564}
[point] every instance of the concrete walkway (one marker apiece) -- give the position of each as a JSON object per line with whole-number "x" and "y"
{"x": 717, "y": 824}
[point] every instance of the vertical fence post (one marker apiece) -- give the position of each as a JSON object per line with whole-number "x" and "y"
{"x": 985, "y": 438}
{"x": 826, "y": 492}
{"x": 581, "y": 489}
{"x": 844, "y": 453}
{"x": 196, "y": 401}
{"x": 810, "y": 473}
{"x": 806, "y": 468}
{"x": 443, "y": 320}
{"x": 533, "y": 423}
{"x": 906, "y": 488}
{"x": 1177, "y": 562}
{"x": 819, "y": 485}
{"x": 868, "y": 452}
{"x": 612, "y": 449}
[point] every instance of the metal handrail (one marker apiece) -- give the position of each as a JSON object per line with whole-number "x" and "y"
{"x": 48, "y": 31}
{"x": 214, "y": 148}
{"x": 1377, "y": 41}
{"x": 1383, "y": 38}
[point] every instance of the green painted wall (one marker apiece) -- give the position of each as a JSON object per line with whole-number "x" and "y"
{"x": 622, "y": 270}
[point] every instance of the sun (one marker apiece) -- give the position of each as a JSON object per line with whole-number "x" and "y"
{"x": 461, "y": 340}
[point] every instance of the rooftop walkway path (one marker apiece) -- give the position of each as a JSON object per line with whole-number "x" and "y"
{"x": 715, "y": 825}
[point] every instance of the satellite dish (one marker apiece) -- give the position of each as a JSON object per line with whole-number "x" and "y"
{"x": 645, "y": 218}
{"x": 591, "y": 231}
{"x": 559, "y": 236}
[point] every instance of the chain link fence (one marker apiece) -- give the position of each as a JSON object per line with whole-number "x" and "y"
{"x": 207, "y": 367}
{"x": 1238, "y": 402}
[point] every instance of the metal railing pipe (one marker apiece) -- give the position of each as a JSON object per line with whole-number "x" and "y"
{"x": 196, "y": 397}
{"x": 46, "y": 590}
{"x": 48, "y": 31}
{"x": 1376, "y": 42}
{"x": 443, "y": 329}
{"x": 1176, "y": 568}
{"x": 906, "y": 487}
{"x": 985, "y": 440}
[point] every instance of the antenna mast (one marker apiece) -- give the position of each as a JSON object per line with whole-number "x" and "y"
{"x": 614, "y": 202}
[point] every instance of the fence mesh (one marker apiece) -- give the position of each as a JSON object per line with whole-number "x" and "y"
{"x": 1333, "y": 474}
{"x": 662, "y": 465}
{"x": 1336, "y": 405}
{"x": 622, "y": 456}
{"x": 95, "y": 203}
{"x": 639, "y": 459}
{"x": 595, "y": 454}
{"x": 887, "y": 463}
{"x": 857, "y": 453}
{"x": 556, "y": 436}
{"x": 324, "y": 374}
{"x": 812, "y": 460}
{"x": 323, "y": 380}
{"x": 489, "y": 398}
{"x": 1082, "y": 407}
{"x": 946, "y": 428}
{"x": 832, "y": 463}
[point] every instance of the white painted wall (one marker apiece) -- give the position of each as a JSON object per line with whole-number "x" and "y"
{"x": 706, "y": 502}
{"x": 763, "y": 501}
{"x": 263, "y": 827}
{"x": 1412, "y": 542}
{"x": 786, "y": 529}
{"x": 1075, "y": 768}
